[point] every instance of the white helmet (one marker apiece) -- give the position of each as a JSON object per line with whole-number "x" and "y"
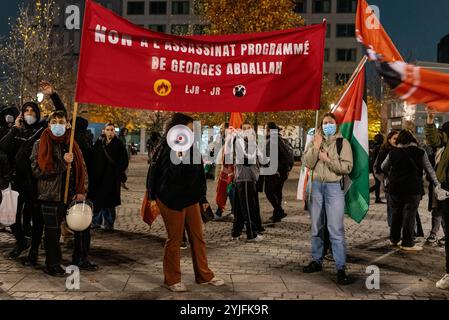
{"x": 79, "y": 215}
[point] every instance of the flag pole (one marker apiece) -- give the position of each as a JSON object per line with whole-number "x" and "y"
{"x": 351, "y": 81}
{"x": 317, "y": 115}
{"x": 72, "y": 138}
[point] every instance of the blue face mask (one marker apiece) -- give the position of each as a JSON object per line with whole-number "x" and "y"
{"x": 58, "y": 130}
{"x": 329, "y": 129}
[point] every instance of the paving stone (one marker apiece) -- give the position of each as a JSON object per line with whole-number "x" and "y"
{"x": 130, "y": 259}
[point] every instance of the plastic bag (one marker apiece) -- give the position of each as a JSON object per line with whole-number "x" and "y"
{"x": 8, "y": 206}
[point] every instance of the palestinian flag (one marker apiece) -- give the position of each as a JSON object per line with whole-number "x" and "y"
{"x": 352, "y": 116}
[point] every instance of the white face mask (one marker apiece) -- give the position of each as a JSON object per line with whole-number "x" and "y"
{"x": 30, "y": 119}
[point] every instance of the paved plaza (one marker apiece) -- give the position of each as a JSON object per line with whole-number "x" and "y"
{"x": 130, "y": 259}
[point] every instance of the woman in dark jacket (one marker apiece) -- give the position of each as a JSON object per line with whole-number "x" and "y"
{"x": 405, "y": 165}
{"x": 180, "y": 189}
{"x": 390, "y": 144}
{"x": 110, "y": 161}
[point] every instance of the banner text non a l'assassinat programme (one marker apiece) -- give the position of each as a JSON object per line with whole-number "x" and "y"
{"x": 274, "y": 71}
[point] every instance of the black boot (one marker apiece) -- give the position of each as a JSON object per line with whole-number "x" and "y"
{"x": 312, "y": 267}
{"x": 342, "y": 278}
{"x": 31, "y": 260}
{"x": 55, "y": 271}
{"x": 88, "y": 266}
{"x": 18, "y": 249}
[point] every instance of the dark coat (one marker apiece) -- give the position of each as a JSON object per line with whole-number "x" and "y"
{"x": 5, "y": 171}
{"x": 18, "y": 145}
{"x": 406, "y": 174}
{"x": 178, "y": 186}
{"x": 105, "y": 182}
{"x": 84, "y": 138}
{"x": 51, "y": 185}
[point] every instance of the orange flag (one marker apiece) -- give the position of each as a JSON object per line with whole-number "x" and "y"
{"x": 413, "y": 84}
{"x": 372, "y": 35}
{"x": 236, "y": 120}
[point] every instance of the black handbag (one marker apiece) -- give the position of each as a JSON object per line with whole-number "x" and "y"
{"x": 206, "y": 215}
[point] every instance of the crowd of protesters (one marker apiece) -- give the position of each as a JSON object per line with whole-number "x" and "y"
{"x": 34, "y": 160}
{"x": 35, "y": 157}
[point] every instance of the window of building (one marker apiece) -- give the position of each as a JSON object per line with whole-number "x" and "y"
{"x": 342, "y": 78}
{"x": 346, "y": 54}
{"x": 345, "y": 30}
{"x": 179, "y": 29}
{"x": 200, "y": 29}
{"x": 321, "y": 6}
{"x": 346, "y": 6}
{"x": 327, "y": 53}
{"x": 157, "y": 27}
{"x": 198, "y": 7}
{"x": 158, "y": 7}
{"x": 300, "y": 6}
{"x": 136, "y": 7}
{"x": 180, "y": 7}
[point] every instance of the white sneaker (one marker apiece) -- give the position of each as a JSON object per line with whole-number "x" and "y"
{"x": 258, "y": 238}
{"x": 177, "y": 287}
{"x": 443, "y": 283}
{"x": 216, "y": 282}
{"x": 415, "y": 248}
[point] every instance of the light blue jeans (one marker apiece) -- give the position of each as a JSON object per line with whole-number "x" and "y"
{"x": 332, "y": 198}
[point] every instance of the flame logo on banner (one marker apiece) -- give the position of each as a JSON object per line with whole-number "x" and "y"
{"x": 162, "y": 87}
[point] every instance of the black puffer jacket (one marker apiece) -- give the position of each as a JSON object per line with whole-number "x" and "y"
{"x": 177, "y": 185}
{"x": 18, "y": 145}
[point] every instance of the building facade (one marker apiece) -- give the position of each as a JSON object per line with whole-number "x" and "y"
{"x": 175, "y": 17}
{"x": 71, "y": 37}
{"x": 342, "y": 53}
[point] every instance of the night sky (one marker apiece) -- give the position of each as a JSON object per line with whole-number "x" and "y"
{"x": 415, "y": 26}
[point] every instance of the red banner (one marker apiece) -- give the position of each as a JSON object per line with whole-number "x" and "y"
{"x": 124, "y": 65}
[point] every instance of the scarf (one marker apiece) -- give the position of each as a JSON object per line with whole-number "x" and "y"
{"x": 45, "y": 157}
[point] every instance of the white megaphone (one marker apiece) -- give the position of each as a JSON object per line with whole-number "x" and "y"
{"x": 79, "y": 215}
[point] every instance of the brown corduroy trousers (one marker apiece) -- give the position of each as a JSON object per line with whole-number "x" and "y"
{"x": 175, "y": 222}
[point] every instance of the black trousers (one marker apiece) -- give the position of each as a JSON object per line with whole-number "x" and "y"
{"x": 53, "y": 214}
{"x": 444, "y": 205}
{"x": 28, "y": 209}
{"x": 246, "y": 210}
{"x": 273, "y": 190}
{"x": 376, "y": 188}
{"x": 404, "y": 216}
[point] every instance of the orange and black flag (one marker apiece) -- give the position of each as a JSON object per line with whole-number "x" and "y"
{"x": 411, "y": 83}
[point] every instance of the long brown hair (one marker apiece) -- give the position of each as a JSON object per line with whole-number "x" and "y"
{"x": 387, "y": 145}
{"x": 327, "y": 115}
